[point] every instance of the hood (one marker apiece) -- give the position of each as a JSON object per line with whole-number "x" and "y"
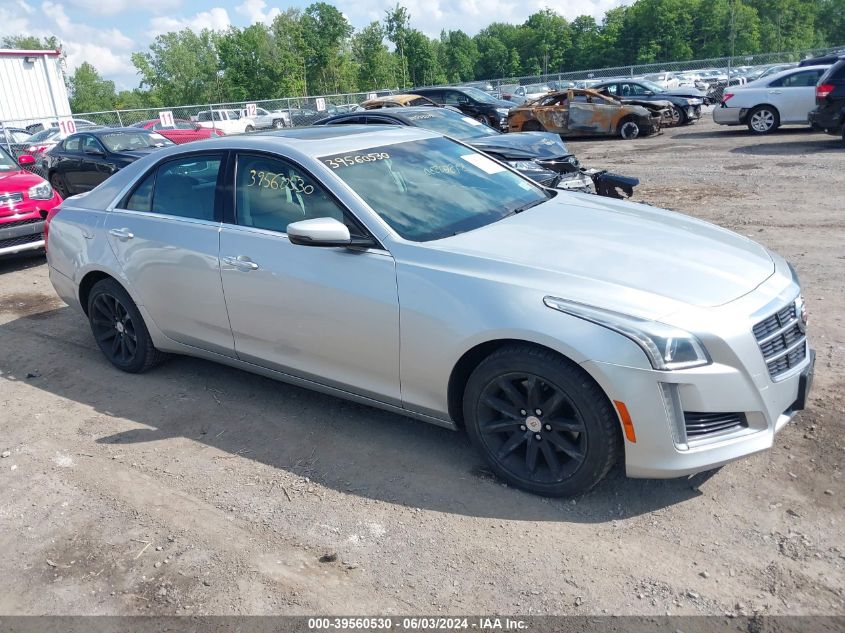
{"x": 618, "y": 255}
{"x": 689, "y": 93}
{"x": 503, "y": 103}
{"x": 18, "y": 180}
{"x": 522, "y": 145}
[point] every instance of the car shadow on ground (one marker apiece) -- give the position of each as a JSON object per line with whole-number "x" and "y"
{"x": 793, "y": 148}
{"x": 21, "y": 262}
{"x": 341, "y": 445}
{"x": 742, "y": 132}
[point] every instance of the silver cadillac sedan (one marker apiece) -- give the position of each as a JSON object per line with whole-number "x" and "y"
{"x": 405, "y": 270}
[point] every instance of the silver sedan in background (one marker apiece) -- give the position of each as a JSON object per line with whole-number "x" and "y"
{"x": 405, "y": 270}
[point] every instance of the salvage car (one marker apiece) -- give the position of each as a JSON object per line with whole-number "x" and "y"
{"x": 765, "y": 104}
{"x": 580, "y": 112}
{"x": 85, "y": 159}
{"x": 829, "y": 114}
{"x": 267, "y": 119}
{"x": 683, "y": 108}
{"x": 541, "y": 156}
{"x": 25, "y": 199}
{"x": 560, "y": 331}
{"x": 397, "y": 101}
{"x": 471, "y": 101}
{"x": 530, "y": 92}
{"x": 181, "y": 131}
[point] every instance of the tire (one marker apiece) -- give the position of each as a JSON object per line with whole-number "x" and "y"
{"x": 763, "y": 120}
{"x": 119, "y": 329}
{"x": 278, "y": 124}
{"x": 629, "y": 129}
{"x": 483, "y": 119}
{"x": 679, "y": 117}
{"x": 249, "y": 128}
{"x": 532, "y": 126}
{"x": 58, "y": 183}
{"x": 579, "y": 434}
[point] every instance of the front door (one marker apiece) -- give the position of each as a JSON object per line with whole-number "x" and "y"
{"x": 94, "y": 165}
{"x": 165, "y": 235}
{"x": 330, "y": 315}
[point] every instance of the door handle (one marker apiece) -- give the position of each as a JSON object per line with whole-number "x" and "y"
{"x": 775, "y": 92}
{"x": 241, "y": 262}
{"x": 122, "y": 234}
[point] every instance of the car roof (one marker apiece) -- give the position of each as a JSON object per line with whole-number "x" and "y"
{"x": 783, "y": 73}
{"x": 98, "y": 131}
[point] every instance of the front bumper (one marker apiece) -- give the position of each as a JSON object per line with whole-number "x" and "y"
{"x": 21, "y": 236}
{"x": 669, "y": 408}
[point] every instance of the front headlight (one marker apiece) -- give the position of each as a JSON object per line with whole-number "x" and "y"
{"x": 667, "y": 347}
{"x": 532, "y": 170}
{"x": 502, "y": 111}
{"x": 41, "y": 191}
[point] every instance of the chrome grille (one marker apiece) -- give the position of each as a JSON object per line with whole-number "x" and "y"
{"x": 13, "y": 223}
{"x": 782, "y": 340}
{"x": 20, "y": 240}
{"x": 8, "y": 199}
{"x": 699, "y": 425}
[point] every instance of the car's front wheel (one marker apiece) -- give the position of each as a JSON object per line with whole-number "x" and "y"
{"x": 119, "y": 329}
{"x": 58, "y": 183}
{"x": 763, "y": 120}
{"x": 629, "y": 129}
{"x": 278, "y": 124}
{"x": 678, "y": 116}
{"x": 541, "y": 422}
{"x": 249, "y": 128}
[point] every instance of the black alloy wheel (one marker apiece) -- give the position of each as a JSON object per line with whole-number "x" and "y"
{"x": 119, "y": 329}
{"x": 541, "y": 422}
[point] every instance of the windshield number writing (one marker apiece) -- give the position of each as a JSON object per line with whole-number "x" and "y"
{"x": 450, "y": 169}
{"x": 270, "y": 180}
{"x": 349, "y": 161}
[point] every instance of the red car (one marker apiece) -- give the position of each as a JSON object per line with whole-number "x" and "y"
{"x": 25, "y": 201}
{"x": 181, "y": 132}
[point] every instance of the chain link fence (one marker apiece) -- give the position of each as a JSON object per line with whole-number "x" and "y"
{"x": 710, "y": 75}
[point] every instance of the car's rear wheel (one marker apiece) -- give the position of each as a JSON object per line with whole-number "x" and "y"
{"x": 278, "y": 124}
{"x": 249, "y": 128}
{"x": 763, "y": 120}
{"x": 119, "y": 329}
{"x": 541, "y": 422}
{"x": 629, "y": 128}
{"x": 532, "y": 126}
{"x": 58, "y": 183}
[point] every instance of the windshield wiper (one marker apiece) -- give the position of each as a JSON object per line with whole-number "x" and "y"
{"x": 523, "y": 208}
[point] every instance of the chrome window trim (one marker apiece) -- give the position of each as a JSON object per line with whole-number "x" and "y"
{"x": 166, "y": 216}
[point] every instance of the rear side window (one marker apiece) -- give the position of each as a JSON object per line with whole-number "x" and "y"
{"x": 835, "y": 72}
{"x": 798, "y": 80}
{"x": 72, "y": 144}
{"x": 184, "y": 188}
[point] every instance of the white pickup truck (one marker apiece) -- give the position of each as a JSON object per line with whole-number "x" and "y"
{"x": 267, "y": 119}
{"x": 230, "y": 121}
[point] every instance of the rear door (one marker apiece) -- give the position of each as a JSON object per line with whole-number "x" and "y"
{"x": 165, "y": 235}
{"x": 95, "y": 165}
{"x": 795, "y": 95}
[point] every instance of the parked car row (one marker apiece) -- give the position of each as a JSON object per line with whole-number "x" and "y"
{"x": 802, "y": 95}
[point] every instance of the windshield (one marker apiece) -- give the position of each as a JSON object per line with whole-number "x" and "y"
{"x": 451, "y": 124}
{"x": 7, "y": 163}
{"x": 434, "y": 188}
{"x": 650, "y": 85}
{"x": 478, "y": 95}
{"x": 43, "y": 135}
{"x": 128, "y": 141}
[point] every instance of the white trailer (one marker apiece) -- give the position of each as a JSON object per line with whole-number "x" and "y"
{"x": 32, "y": 87}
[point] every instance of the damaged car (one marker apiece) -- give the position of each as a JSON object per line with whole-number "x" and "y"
{"x": 397, "y": 101}
{"x": 684, "y": 104}
{"x": 585, "y": 112}
{"x": 541, "y": 156}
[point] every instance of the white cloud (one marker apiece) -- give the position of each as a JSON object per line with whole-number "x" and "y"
{"x": 216, "y": 19}
{"x": 254, "y": 12}
{"x": 114, "y": 7}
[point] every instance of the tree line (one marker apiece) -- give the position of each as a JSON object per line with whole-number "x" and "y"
{"x": 316, "y": 50}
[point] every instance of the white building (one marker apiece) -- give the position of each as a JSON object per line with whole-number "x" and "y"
{"x": 32, "y": 87}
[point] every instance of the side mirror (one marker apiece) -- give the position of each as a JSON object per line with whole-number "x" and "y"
{"x": 94, "y": 151}
{"x": 319, "y": 232}
{"x": 25, "y": 160}
{"x": 649, "y": 93}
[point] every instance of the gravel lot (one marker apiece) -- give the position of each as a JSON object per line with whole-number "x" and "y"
{"x": 199, "y": 489}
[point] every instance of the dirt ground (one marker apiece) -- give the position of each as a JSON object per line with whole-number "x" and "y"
{"x": 199, "y": 489}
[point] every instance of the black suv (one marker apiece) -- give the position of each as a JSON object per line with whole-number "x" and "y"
{"x": 829, "y": 114}
{"x": 472, "y": 102}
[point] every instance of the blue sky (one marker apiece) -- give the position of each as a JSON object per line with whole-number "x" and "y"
{"x": 105, "y": 32}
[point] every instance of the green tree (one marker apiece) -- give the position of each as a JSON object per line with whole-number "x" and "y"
{"x": 458, "y": 56}
{"x": 291, "y": 51}
{"x": 423, "y": 64}
{"x": 545, "y": 42}
{"x": 89, "y": 92}
{"x": 396, "y": 24}
{"x": 375, "y": 65}
{"x": 31, "y": 43}
{"x": 181, "y": 68}
{"x": 325, "y": 31}
{"x": 252, "y": 67}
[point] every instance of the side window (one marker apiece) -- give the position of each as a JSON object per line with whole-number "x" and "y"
{"x": 270, "y": 194}
{"x": 379, "y": 120}
{"x": 612, "y": 89}
{"x": 800, "y": 80}
{"x": 186, "y": 187}
{"x": 453, "y": 97}
{"x": 72, "y": 144}
{"x": 141, "y": 199}
{"x": 90, "y": 144}
{"x": 346, "y": 121}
